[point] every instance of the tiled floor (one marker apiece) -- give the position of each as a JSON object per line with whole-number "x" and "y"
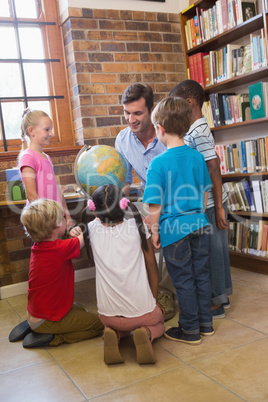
{"x": 230, "y": 366}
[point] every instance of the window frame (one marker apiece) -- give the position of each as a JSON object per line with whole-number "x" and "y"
{"x": 57, "y": 80}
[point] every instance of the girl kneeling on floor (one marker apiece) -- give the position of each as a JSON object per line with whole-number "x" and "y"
{"x": 126, "y": 274}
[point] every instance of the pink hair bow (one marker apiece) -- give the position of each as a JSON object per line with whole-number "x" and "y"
{"x": 123, "y": 203}
{"x": 91, "y": 205}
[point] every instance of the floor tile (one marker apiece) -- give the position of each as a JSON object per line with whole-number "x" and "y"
{"x": 9, "y": 318}
{"x": 185, "y": 384}
{"x": 95, "y": 378}
{"x": 14, "y": 356}
{"x": 244, "y": 370}
{"x": 40, "y": 382}
{"x": 253, "y": 313}
{"x": 228, "y": 334}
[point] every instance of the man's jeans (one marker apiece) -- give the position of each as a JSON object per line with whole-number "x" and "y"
{"x": 186, "y": 262}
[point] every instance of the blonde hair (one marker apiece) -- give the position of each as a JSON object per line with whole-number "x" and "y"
{"x": 41, "y": 217}
{"x": 30, "y": 118}
{"x": 174, "y": 115}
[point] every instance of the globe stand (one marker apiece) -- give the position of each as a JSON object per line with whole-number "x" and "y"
{"x": 81, "y": 191}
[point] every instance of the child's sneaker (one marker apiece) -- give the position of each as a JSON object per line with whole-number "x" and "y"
{"x": 227, "y": 304}
{"x": 143, "y": 344}
{"x": 177, "y": 334}
{"x": 218, "y": 313}
{"x": 206, "y": 331}
{"x": 111, "y": 350}
{"x": 167, "y": 301}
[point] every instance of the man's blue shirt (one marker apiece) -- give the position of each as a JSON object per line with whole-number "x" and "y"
{"x": 135, "y": 154}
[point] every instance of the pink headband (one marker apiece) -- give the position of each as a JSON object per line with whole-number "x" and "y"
{"x": 123, "y": 203}
{"x": 91, "y": 205}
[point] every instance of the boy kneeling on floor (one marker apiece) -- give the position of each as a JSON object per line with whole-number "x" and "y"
{"x": 52, "y": 318}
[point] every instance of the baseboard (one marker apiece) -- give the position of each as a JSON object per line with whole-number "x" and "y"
{"x": 22, "y": 288}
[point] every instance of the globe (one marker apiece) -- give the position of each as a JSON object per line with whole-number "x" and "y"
{"x": 99, "y": 165}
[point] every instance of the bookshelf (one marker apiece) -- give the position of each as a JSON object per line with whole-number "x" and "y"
{"x": 244, "y": 130}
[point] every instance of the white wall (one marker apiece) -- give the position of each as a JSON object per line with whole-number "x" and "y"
{"x": 170, "y": 6}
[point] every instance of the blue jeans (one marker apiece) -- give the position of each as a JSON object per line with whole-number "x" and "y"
{"x": 186, "y": 262}
{"x": 218, "y": 262}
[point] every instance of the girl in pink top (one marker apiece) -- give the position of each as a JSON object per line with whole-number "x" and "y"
{"x": 35, "y": 166}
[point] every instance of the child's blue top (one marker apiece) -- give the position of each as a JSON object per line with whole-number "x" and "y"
{"x": 177, "y": 179}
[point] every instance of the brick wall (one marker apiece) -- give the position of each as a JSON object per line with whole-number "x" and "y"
{"x": 106, "y": 51}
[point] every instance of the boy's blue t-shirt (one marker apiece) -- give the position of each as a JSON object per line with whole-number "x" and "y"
{"x": 177, "y": 179}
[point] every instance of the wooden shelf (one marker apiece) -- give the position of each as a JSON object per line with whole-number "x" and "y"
{"x": 250, "y": 214}
{"x": 247, "y": 78}
{"x": 249, "y": 262}
{"x": 237, "y": 176}
{"x": 243, "y": 123}
{"x": 229, "y": 36}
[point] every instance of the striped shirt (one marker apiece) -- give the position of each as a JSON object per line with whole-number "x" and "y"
{"x": 136, "y": 156}
{"x": 200, "y": 137}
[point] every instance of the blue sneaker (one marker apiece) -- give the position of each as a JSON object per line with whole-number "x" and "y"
{"x": 177, "y": 334}
{"x": 227, "y": 304}
{"x": 206, "y": 331}
{"x": 218, "y": 313}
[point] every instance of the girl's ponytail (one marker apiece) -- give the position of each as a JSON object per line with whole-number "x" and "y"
{"x": 140, "y": 225}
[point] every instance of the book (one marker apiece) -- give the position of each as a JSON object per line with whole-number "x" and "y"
{"x": 206, "y": 68}
{"x": 230, "y": 158}
{"x": 192, "y": 68}
{"x": 235, "y": 154}
{"x": 247, "y": 59}
{"x": 248, "y": 9}
{"x": 224, "y": 13}
{"x": 256, "y": 98}
{"x": 240, "y": 197}
{"x": 243, "y": 155}
{"x": 200, "y": 73}
{"x": 248, "y": 195}
{"x": 264, "y": 244}
{"x": 257, "y": 196}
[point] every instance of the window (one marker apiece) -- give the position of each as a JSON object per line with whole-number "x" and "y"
{"x": 32, "y": 70}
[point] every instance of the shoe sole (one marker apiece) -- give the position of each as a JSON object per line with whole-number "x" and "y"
{"x": 207, "y": 333}
{"x": 112, "y": 354}
{"x": 226, "y": 306}
{"x": 197, "y": 342}
{"x": 144, "y": 349}
{"x": 218, "y": 316}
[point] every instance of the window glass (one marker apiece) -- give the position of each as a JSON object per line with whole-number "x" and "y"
{"x": 35, "y": 79}
{"x": 4, "y": 8}
{"x": 42, "y": 105}
{"x": 25, "y": 8}
{"x": 12, "y": 114}
{"x": 31, "y": 43}
{"x": 8, "y": 43}
{"x": 10, "y": 80}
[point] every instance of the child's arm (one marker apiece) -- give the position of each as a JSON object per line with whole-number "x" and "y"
{"x": 205, "y": 200}
{"x": 28, "y": 175}
{"x": 77, "y": 232}
{"x": 69, "y": 221}
{"x": 154, "y": 214}
{"x": 215, "y": 176}
{"x": 151, "y": 267}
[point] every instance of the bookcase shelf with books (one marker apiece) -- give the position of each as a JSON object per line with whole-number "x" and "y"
{"x": 249, "y": 226}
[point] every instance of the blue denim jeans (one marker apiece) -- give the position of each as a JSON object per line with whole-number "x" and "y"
{"x": 218, "y": 262}
{"x": 186, "y": 262}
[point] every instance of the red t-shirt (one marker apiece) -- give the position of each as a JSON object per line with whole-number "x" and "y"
{"x": 51, "y": 278}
